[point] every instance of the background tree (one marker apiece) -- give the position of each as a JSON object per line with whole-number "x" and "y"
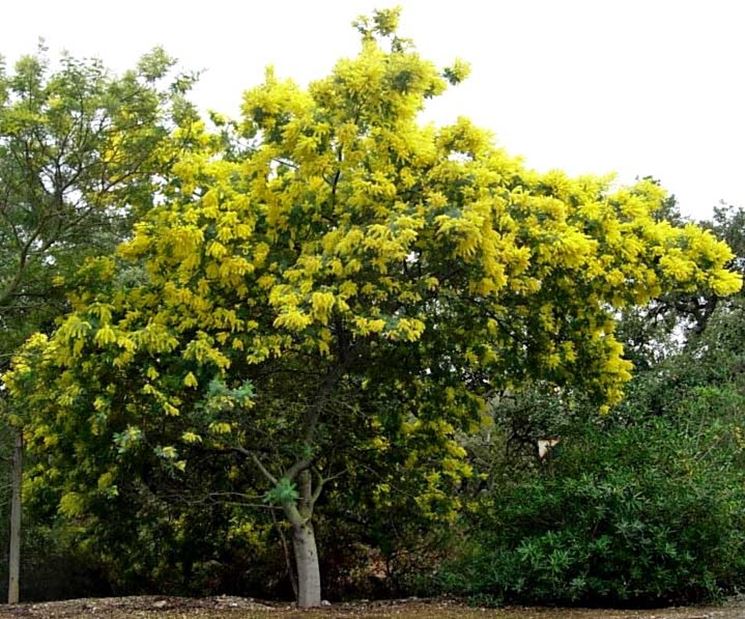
{"x": 82, "y": 152}
{"x": 350, "y": 291}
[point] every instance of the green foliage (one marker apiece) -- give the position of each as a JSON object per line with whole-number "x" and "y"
{"x": 220, "y": 397}
{"x": 644, "y": 506}
{"x": 284, "y": 492}
{"x": 651, "y": 513}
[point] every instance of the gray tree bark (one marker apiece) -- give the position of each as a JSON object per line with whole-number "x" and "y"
{"x": 14, "y": 558}
{"x": 300, "y": 515}
{"x": 308, "y": 569}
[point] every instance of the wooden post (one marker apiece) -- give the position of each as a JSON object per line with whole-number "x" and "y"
{"x": 14, "y": 559}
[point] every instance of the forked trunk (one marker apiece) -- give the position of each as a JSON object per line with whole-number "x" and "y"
{"x": 306, "y": 560}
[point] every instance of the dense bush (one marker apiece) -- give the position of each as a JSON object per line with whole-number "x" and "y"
{"x": 627, "y": 514}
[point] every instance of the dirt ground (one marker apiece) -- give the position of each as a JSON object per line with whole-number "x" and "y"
{"x": 225, "y": 607}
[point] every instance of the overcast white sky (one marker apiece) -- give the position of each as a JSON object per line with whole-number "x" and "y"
{"x": 639, "y": 87}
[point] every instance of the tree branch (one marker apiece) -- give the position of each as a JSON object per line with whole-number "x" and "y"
{"x": 255, "y": 459}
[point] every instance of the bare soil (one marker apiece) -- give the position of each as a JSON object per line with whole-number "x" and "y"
{"x": 226, "y": 607}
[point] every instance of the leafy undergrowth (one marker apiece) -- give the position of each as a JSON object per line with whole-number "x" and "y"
{"x": 224, "y": 607}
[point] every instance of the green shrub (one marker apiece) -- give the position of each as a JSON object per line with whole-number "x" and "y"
{"x": 644, "y": 513}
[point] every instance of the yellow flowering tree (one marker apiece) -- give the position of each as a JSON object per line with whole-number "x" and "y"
{"x": 349, "y": 289}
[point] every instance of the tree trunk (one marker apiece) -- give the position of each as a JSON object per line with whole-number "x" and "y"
{"x": 308, "y": 569}
{"x": 14, "y": 558}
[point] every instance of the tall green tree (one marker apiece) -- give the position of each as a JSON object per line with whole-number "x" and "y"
{"x": 348, "y": 292}
{"x": 82, "y": 152}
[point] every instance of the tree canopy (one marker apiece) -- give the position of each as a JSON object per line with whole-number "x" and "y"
{"x": 80, "y": 148}
{"x": 82, "y": 152}
{"x": 349, "y": 290}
